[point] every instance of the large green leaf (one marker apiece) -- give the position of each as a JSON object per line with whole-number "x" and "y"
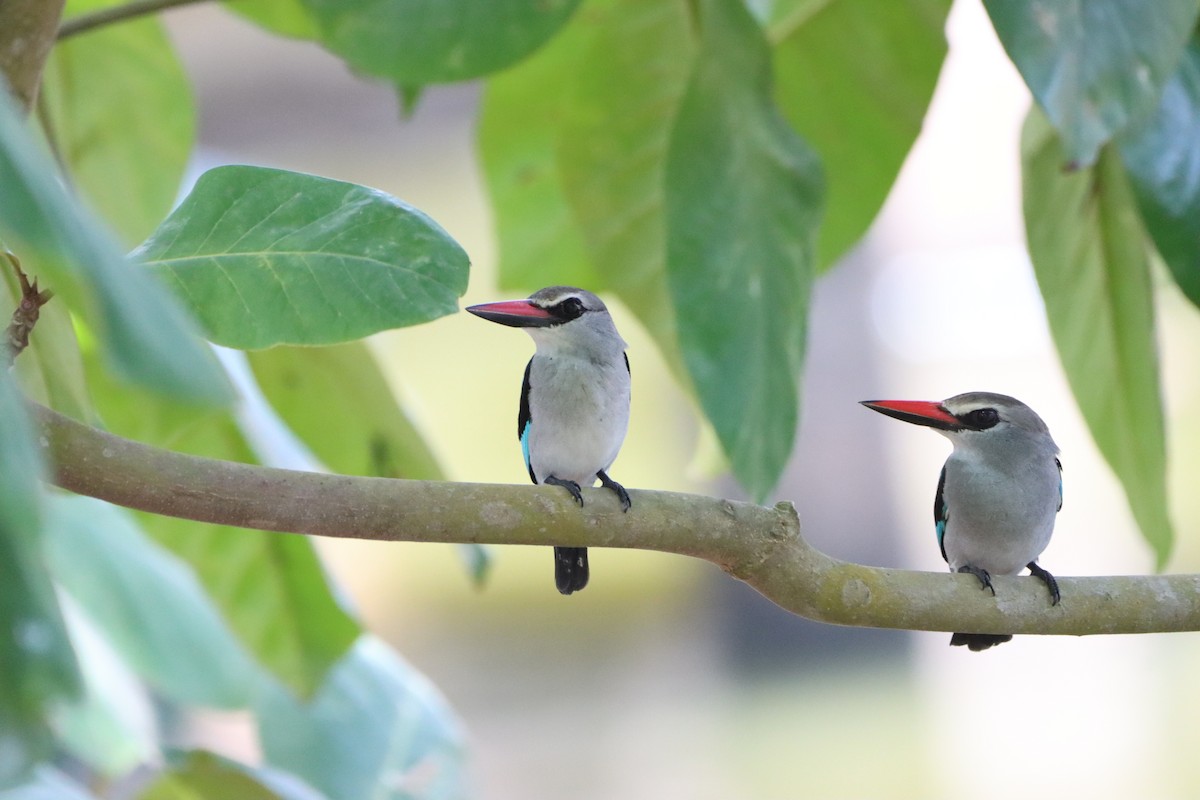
{"x": 1163, "y": 158}
{"x": 147, "y": 603}
{"x": 309, "y": 386}
{"x": 200, "y": 775}
{"x": 743, "y": 200}
{"x": 855, "y": 78}
{"x": 373, "y": 728}
{"x": 37, "y": 664}
{"x": 270, "y": 587}
{"x": 414, "y": 42}
{"x": 1095, "y": 66}
{"x": 1088, "y": 251}
{"x": 620, "y": 102}
{"x": 267, "y": 257}
{"x": 145, "y": 335}
{"x": 121, "y": 115}
{"x": 285, "y": 17}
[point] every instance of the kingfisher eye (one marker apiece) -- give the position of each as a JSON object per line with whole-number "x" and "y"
{"x": 982, "y": 418}
{"x": 570, "y": 308}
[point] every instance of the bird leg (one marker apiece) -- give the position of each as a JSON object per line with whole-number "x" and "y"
{"x": 1046, "y": 578}
{"x": 609, "y": 483}
{"x": 570, "y": 486}
{"x": 984, "y": 576}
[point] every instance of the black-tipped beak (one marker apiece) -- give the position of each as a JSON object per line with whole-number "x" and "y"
{"x": 918, "y": 412}
{"x": 514, "y": 313}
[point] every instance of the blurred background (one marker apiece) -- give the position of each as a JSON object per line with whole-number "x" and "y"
{"x": 666, "y": 677}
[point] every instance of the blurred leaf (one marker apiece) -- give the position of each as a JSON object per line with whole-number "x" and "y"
{"x": 122, "y": 118}
{"x": 50, "y": 370}
{"x": 149, "y": 606}
{"x": 309, "y": 386}
{"x": 37, "y": 665}
{"x": 267, "y": 257}
{"x": 1087, "y": 248}
{"x": 855, "y": 77}
{"x": 111, "y": 727}
{"x": 619, "y": 104}
{"x": 1163, "y": 158}
{"x": 1094, "y": 67}
{"x": 377, "y": 729}
{"x": 518, "y": 127}
{"x": 146, "y": 336}
{"x": 47, "y": 783}
{"x": 413, "y": 42}
{"x": 200, "y": 775}
{"x": 285, "y": 17}
{"x": 270, "y": 587}
{"x": 743, "y": 201}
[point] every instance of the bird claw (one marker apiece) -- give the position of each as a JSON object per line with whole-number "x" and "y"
{"x": 609, "y": 483}
{"x": 984, "y": 576}
{"x": 1045, "y": 577}
{"x": 570, "y": 486}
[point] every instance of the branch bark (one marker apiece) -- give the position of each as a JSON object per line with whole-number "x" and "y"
{"x": 27, "y": 32}
{"x": 761, "y": 546}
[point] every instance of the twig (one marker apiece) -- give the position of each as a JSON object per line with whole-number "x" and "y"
{"x": 29, "y": 309}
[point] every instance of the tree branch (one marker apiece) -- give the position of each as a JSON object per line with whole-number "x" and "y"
{"x": 112, "y": 14}
{"x": 27, "y": 31}
{"x": 761, "y": 546}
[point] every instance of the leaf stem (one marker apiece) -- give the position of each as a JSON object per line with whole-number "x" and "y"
{"x": 114, "y": 14}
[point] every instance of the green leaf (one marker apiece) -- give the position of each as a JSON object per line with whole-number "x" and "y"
{"x": 309, "y": 386}
{"x": 1163, "y": 158}
{"x": 620, "y": 101}
{"x": 200, "y": 775}
{"x": 270, "y": 587}
{"x": 48, "y": 784}
{"x": 267, "y": 257}
{"x": 1094, "y": 67}
{"x": 36, "y": 660}
{"x": 855, "y": 77}
{"x": 122, "y": 118}
{"x": 285, "y": 17}
{"x": 743, "y": 201}
{"x": 147, "y": 603}
{"x": 518, "y": 128}
{"x": 373, "y": 728}
{"x": 146, "y": 337}
{"x": 1086, "y": 243}
{"x": 413, "y": 42}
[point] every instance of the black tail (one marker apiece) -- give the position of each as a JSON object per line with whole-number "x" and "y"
{"x": 979, "y": 641}
{"x": 570, "y": 568}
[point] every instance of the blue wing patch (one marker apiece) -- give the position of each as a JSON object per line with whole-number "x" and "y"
{"x": 941, "y": 513}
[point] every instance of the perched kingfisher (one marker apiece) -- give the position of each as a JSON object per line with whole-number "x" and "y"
{"x": 999, "y": 491}
{"x": 574, "y": 401}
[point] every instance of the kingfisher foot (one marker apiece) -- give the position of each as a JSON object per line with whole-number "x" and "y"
{"x": 570, "y": 486}
{"x": 1046, "y": 578}
{"x": 976, "y": 642}
{"x": 984, "y": 576}
{"x": 609, "y": 483}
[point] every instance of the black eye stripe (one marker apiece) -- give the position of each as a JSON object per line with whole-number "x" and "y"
{"x": 981, "y": 418}
{"x": 567, "y": 309}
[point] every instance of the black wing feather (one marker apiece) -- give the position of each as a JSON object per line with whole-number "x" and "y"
{"x": 523, "y": 416}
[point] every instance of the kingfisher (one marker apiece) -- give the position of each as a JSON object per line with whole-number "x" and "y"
{"x": 999, "y": 492}
{"x": 574, "y": 408}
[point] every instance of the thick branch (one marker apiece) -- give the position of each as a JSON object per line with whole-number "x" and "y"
{"x": 760, "y": 545}
{"x": 27, "y": 31}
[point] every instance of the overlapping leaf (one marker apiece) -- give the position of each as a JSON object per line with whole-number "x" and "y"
{"x": 1088, "y": 251}
{"x": 1094, "y": 67}
{"x": 266, "y": 257}
{"x": 743, "y": 198}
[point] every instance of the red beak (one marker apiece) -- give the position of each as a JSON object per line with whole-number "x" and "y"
{"x": 514, "y": 313}
{"x": 918, "y": 412}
